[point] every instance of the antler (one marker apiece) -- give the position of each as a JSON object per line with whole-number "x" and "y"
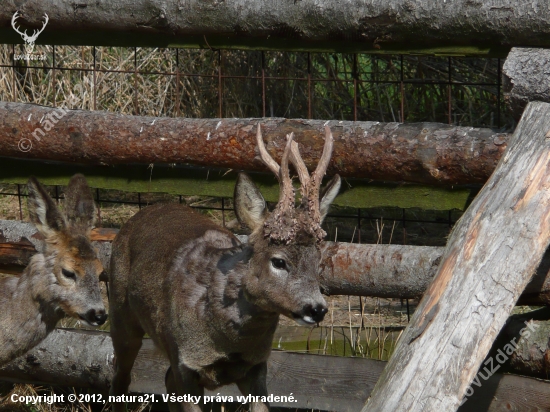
{"x": 281, "y": 225}
{"x": 311, "y": 184}
{"x": 38, "y": 31}
{"x": 24, "y": 35}
{"x": 13, "y": 19}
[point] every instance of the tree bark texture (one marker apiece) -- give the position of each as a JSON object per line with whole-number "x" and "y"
{"x": 490, "y": 257}
{"x": 389, "y": 271}
{"x": 525, "y": 78}
{"x": 85, "y": 359}
{"x": 454, "y": 26}
{"x": 422, "y": 152}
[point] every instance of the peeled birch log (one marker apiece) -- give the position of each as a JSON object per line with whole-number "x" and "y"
{"x": 525, "y": 78}
{"x": 430, "y": 153}
{"x": 491, "y": 255}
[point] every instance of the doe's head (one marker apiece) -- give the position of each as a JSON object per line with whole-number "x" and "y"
{"x": 283, "y": 272}
{"x": 71, "y": 268}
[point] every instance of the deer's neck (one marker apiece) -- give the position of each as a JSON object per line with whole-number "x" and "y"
{"x": 233, "y": 264}
{"x": 28, "y": 315}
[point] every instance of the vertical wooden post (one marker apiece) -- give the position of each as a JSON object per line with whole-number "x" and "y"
{"x": 490, "y": 257}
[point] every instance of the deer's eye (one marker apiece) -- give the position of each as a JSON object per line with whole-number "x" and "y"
{"x": 68, "y": 274}
{"x": 278, "y": 263}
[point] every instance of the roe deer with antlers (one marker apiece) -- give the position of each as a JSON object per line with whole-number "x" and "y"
{"x": 63, "y": 280}
{"x": 210, "y": 303}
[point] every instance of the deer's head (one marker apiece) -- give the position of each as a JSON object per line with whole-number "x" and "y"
{"x": 70, "y": 268}
{"x": 29, "y": 40}
{"x": 283, "y": 270}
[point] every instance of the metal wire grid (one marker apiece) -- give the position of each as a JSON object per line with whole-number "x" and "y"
{"x": 357, "y": 86}
{"x": 344, "y": 86}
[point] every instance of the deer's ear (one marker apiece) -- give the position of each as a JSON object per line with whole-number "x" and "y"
{"x": 79, "y": 204}
{"x": 44, "y": 212}
{"x": 250, "y": 206}
{"x": 328, "y": 194}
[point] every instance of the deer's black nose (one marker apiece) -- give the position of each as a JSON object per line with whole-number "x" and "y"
{"x": 94, "y": 317}
{"x": 317, "y": 313}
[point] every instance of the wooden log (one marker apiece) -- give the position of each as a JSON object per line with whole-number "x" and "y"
{"x": 529, "y": 334}
{"x": 387, "y": 271}
{"x": 459, "y": 27}
{"x": 525, "y": 78}
{"x": 421, "y": 152}
{"x": 490, "y": 257}
{"x": 85, "y": 359}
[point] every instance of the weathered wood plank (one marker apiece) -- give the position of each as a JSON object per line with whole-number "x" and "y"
{"x": 459, "y": 27}
{"x": 525, "y": 78}
{"x": 490, "y": 257}
{"x": 509, "y": 393}
{"x": 429, "y": 153}
{"x": 84, "y": 359}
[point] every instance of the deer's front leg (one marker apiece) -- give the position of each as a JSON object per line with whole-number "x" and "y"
{"x": 254, "y": 383}
{"x": 184, "y": 381}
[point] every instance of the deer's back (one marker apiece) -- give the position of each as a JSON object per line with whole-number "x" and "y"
{"x": 165, "y": 275}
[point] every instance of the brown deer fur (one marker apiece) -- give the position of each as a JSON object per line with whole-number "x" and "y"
{"x": 210, "y": 303}
{"x": 63, "y": 280}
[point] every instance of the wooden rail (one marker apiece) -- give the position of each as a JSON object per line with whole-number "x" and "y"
{"x": 391, "y": 271}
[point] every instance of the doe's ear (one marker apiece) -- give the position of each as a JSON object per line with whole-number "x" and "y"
{"x": 328, "y": 194}
{"x": 79, "y": 204}
{"x": 250, "y": 206}
{"x": 43, "y": 211}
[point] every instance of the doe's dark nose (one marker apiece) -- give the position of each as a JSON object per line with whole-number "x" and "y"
{"x": 96, "y": 317}
{"x": 318, "y": 312}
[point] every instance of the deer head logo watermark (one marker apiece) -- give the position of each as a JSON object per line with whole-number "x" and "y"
{"x": 29, "y": 40}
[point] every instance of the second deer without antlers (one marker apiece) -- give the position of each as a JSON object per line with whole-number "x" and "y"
{"x": 63, "y": 280}
{"x": 210, "y": 303}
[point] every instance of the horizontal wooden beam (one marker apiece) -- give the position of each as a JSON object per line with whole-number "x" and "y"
{"x": 426, "y": 153}
{"x": 390, "y": 271}
{"x": 458, "y": 28}
{"x": 315, "y": 381}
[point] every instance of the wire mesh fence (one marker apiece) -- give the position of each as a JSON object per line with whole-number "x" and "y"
{"x": 236, "y": 83}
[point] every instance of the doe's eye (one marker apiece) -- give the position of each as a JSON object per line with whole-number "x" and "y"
{"x": 278, "y": 263}
{"x": 68, "y": 274}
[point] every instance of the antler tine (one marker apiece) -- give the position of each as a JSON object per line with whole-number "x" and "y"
{"x": 325, "y": 157}
{"x": 264, "y": 155}
{"x": 281, "y": 225}
{"x": 301, "y": 168}
{"x": 299, "y": 164}
{"x": 284, "y": 173}
{"x": 13, "y": 19}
